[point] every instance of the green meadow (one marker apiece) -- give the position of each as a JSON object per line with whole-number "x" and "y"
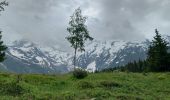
{"x": 96, "y": 86}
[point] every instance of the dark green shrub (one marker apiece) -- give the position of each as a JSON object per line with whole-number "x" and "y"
{"x": 145, "y": 74}
{"x": 12, "y": 89}
{"x": 85, "y": 85}
{"x": 162, "y": 77}
{"x": 79, "y": 73}
{"x": 4, "y": 75}
{"x": 126, "y": 97}
{"x": 102, "y": 95}
{"x": 109, "y": 84}
{"x": 68, "y": 96}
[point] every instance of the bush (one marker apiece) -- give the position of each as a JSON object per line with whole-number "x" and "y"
{"x": 85, "y": 85}
{"x": 145, "y": 74}
{"x": 162, "y": 77}
{"x": 12, "y": 89}
{"x": 79, "y": 73}
{"x": 109, "y": 84}
{"x": 67, "y": 95}
{"x": 126, "y": 97}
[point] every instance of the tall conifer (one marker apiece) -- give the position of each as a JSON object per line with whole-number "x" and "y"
{"x": 158, "y": 54}
{"x": 2, "y": 46}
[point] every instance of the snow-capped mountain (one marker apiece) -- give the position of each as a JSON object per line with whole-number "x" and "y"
{"x": 111, "y": 53}
{"x": 24, "y": 56}
{"x": 27, "y": 57}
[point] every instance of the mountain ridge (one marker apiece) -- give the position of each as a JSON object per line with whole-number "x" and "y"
{"x": 27, "y": 57}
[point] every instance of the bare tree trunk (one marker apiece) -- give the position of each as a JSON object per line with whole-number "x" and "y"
{"x": 75, "y": 54}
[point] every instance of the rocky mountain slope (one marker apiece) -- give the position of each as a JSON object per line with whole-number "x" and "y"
{"x": 27, "y": 57}
{"x": 111, "y": 53}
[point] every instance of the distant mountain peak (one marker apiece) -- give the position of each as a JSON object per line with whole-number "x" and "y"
{"x": 27, "y": 57}
{"x": 22, "y": 43}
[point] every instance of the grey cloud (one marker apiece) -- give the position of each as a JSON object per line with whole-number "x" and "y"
{"x": 45, "y": 21}
{"x": 128, "y": 19}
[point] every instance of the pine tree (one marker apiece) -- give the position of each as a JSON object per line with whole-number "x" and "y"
{"x": 2, "y": 4}
{"x": 2, "y": 47}
{"x": 168, "y": 58}
{"x": 157, "y": 54}
{"x": 78, "y": 32}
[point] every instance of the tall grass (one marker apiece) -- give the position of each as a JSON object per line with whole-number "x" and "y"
{"x": 99, "y": 86}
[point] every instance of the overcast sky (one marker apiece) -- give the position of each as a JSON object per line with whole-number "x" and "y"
{"x": 45, "y": 21}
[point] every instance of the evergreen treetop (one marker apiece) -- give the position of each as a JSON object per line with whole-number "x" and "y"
{"x": 2, "y": 49}
{"x": 158, "y": 53}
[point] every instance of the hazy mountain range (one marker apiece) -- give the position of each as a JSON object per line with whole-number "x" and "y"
{"x": 27, "y": 57}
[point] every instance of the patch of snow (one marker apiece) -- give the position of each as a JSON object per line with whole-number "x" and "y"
{"x": 91, "y": 67}
{"x": 27, "y": 44}
{"x": 25, "y": 49}
{"x": 16, "y": 53}
{"x": 40, "y": 60}
{"x": 117, "y": 62}
{"x": 122, "y": 60}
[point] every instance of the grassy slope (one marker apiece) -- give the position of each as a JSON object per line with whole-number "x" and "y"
{"x": 101, "y": 86}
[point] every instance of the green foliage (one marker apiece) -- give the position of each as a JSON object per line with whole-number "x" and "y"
{"x": 2, "y": 4}
{"x": 2, "y": 47}
{"x": 109, "y": 84}
{"x": 78, "y": 32}
{"x": 158, "y": 57}
{"x": 12, "y": 88}
{"x": 126, "y": 97}
{"x": 80, "y": 73}
{"x": 85, "y": 85}
{"x": 162, "y": 77}
{"x": 140, "y": 66}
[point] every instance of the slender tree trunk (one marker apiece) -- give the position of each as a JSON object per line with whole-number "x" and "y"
{"x": 75, "y": 55}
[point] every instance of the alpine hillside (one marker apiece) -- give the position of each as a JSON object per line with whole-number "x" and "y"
{"x": 27, "y": 57}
